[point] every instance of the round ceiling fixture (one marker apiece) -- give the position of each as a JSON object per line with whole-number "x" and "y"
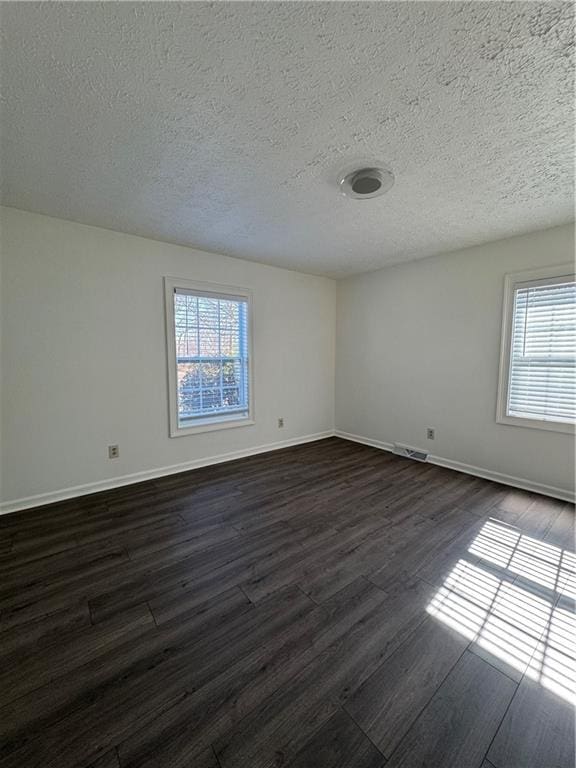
{"x": 366, "y": 183}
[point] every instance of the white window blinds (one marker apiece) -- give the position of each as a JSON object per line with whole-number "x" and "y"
{"x": 542, "y": 376}
{"x": 211, "y": 355}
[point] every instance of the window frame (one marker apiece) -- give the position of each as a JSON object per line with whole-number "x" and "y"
{"x": 511, "y": 282}
{"x": 216, "y": 422}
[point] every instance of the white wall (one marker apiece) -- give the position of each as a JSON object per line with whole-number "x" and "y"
{"x": 83, "y": 356}
{"x": 84, "y": 359}
{"x": 418, "y": 345}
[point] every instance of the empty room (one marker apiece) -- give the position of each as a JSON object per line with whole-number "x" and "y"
{"x": 287, "y": 384}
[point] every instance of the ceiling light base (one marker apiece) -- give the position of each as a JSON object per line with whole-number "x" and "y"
{"x": 366, "y": 183}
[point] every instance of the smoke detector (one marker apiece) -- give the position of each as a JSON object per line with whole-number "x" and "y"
{"x": 365, "y": 183}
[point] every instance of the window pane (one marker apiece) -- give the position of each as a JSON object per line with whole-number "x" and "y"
{"x": 210, "y": 374}
{"x": 229, "y": 314}
{"x": 207, "y": 312}
{"x": 209, "y": 342}
{"x": 188, "y": 389}
{"x": 186, "y": 323}
{"x": 211, "y": 399}
{"x": 211, "y": 356}
{"x": 230, "y": 341}
{"x": 543, "y": 357}
{"x": 231, "y": 397}
{"x": 189, "y": 375}
{"x": 231, "y": 373}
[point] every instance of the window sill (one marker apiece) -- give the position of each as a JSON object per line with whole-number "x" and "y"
{"x": 547, "y": 426}
{"x": 211, "y": 425}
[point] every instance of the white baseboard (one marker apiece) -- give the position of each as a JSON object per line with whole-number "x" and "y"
{"x": 364, "y": 440}
{"x": 458, "y": 466}
{"x": 138, "y": 477}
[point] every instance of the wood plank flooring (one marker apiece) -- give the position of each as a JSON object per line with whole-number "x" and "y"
{"x": 323, "y": 606}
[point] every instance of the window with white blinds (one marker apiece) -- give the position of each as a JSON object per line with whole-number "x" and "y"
{"x": 541, "y": 376}
{"x": 210, "y": 363}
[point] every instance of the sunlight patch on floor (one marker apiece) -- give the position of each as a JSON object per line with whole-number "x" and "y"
{"x": 513, "y": 598}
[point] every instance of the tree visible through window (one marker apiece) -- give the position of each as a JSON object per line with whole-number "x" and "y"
{"x": 211, "y": 338}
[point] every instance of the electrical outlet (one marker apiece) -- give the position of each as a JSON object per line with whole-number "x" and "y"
{"x": 113, "y": 452}
{"x": 280, "y": 423}
{"x": 430, "y": 433}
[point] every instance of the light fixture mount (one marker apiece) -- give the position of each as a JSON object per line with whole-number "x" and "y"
{"x": 366, "y": 182}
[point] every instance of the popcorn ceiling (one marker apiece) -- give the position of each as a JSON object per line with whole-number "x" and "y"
{"x": 224, "y": 126}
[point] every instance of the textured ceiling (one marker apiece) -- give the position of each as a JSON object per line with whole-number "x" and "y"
{"x": 224, "y": 125}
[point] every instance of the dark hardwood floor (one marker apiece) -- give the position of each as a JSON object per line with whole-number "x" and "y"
{"x": 323, "y": 606}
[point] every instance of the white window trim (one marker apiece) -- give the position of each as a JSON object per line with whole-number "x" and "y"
{"x": 511, "y": 281}
{"x": 210, "y": 423}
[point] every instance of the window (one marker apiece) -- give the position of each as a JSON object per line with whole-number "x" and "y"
{"x": 209, "y": 360}
{"x": 537, "y": 385}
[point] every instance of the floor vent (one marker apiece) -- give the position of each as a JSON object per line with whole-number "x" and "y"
{"x": 410, "y": 453}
